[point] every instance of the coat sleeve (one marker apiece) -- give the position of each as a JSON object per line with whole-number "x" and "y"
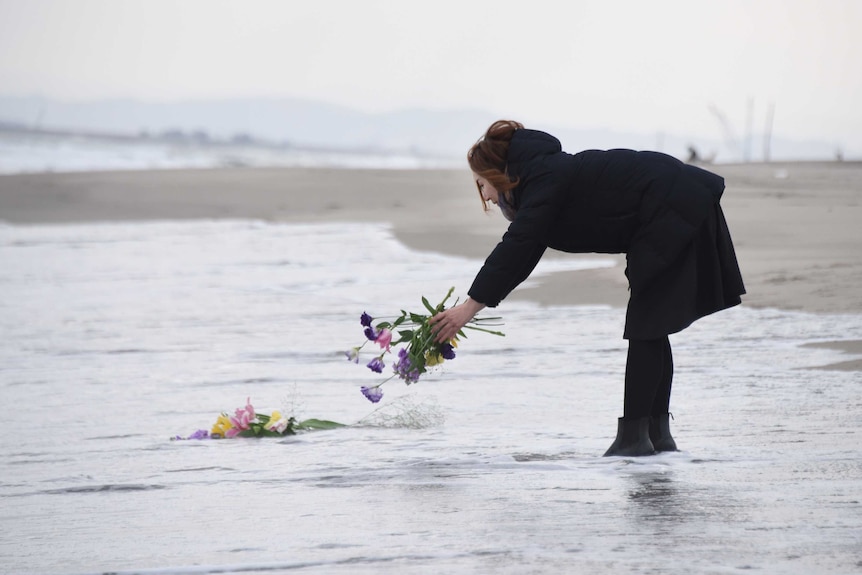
{"x": 523, "y": 244}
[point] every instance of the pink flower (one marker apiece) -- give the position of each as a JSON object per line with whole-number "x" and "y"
{"x": 384, "y": 339}
{"x": 242, "y": 420}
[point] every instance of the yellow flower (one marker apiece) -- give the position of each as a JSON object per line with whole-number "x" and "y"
{"x": 454, "y": 341}
{"x": 276, "y": 422}
{"x": 276, "y": 415}
{"x": 221, "y": 426}
{"x": 432, "y": 359}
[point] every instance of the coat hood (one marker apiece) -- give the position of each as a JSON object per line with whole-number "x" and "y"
{"x": 527, "y": 145}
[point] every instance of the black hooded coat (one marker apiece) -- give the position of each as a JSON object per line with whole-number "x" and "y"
{"x": 663, "y": 214}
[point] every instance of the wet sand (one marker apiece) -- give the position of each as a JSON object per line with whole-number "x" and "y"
{"x": 795, "y": 225}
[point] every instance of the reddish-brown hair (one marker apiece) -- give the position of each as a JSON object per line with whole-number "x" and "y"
{"x": 489, "y": 155}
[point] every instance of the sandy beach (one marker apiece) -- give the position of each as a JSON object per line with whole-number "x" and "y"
{"x": 795, "y": 225}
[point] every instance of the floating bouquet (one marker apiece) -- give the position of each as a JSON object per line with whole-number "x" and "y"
{"x": 246, "y": 422}
{"x": 421, "y": 353}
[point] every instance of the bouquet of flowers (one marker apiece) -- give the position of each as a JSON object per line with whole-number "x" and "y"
{"x": 246, "y": 422}
{"x": 421, "y": 352}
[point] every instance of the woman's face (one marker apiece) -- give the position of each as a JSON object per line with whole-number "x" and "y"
{"x": 486, "y": 190}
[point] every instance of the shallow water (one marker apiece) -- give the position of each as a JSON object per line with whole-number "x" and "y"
{"x": 118, "y": 336}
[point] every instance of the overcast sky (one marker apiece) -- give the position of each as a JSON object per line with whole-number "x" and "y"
{"x": 646, "y": 66}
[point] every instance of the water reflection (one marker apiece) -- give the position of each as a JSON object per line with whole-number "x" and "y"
{"x": 655, "y": 492}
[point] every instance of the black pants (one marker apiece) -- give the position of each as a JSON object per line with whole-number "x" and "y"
{"x": 649, "y": 373}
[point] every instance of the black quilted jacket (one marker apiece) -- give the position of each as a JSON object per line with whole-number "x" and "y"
{"x": 644, "y": 204}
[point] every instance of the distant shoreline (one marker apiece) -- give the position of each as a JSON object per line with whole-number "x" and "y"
{"x": 200, "y": 138}
{"x": 178, "y": 137}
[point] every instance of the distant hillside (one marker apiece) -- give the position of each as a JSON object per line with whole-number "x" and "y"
{"x": 297, "y": 122}
{"x": 305, "y": 123}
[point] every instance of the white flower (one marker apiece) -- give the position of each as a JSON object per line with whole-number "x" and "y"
{"x": 276, "y": 422}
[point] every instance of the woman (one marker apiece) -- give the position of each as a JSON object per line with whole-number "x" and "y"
{"x": 663, "y": 214}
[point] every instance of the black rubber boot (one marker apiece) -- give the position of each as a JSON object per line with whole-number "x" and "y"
{"x": 659, "y": 433}
{"x": 632, "y": 438}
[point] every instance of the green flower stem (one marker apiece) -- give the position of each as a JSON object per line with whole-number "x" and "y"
{"x": 473, "y": 327}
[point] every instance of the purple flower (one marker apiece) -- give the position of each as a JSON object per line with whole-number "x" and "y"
{"x": 376, "y": 365}
{"x": 365, "y": 319}
{"x": 200, "y": 434}
{"x": 404, "y": 368}
{"x": 371, "y": 334}
{"x": 373, "y": 394}
{"x": 447, "y": 351}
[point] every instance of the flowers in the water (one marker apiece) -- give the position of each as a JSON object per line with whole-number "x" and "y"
{"x": 199, "y": 434}
{"x": 242, "y": 419}
{"x": 277, "y": 423}
{"x": 221, "y": 426}
{"x": 421, "y": 352}
{"x": 246, "y": 422}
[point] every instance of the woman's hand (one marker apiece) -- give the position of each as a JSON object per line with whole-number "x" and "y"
{"x": 447, "y": 324}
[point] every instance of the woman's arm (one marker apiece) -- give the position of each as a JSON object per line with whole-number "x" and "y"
{"x": 449, "y": 322}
